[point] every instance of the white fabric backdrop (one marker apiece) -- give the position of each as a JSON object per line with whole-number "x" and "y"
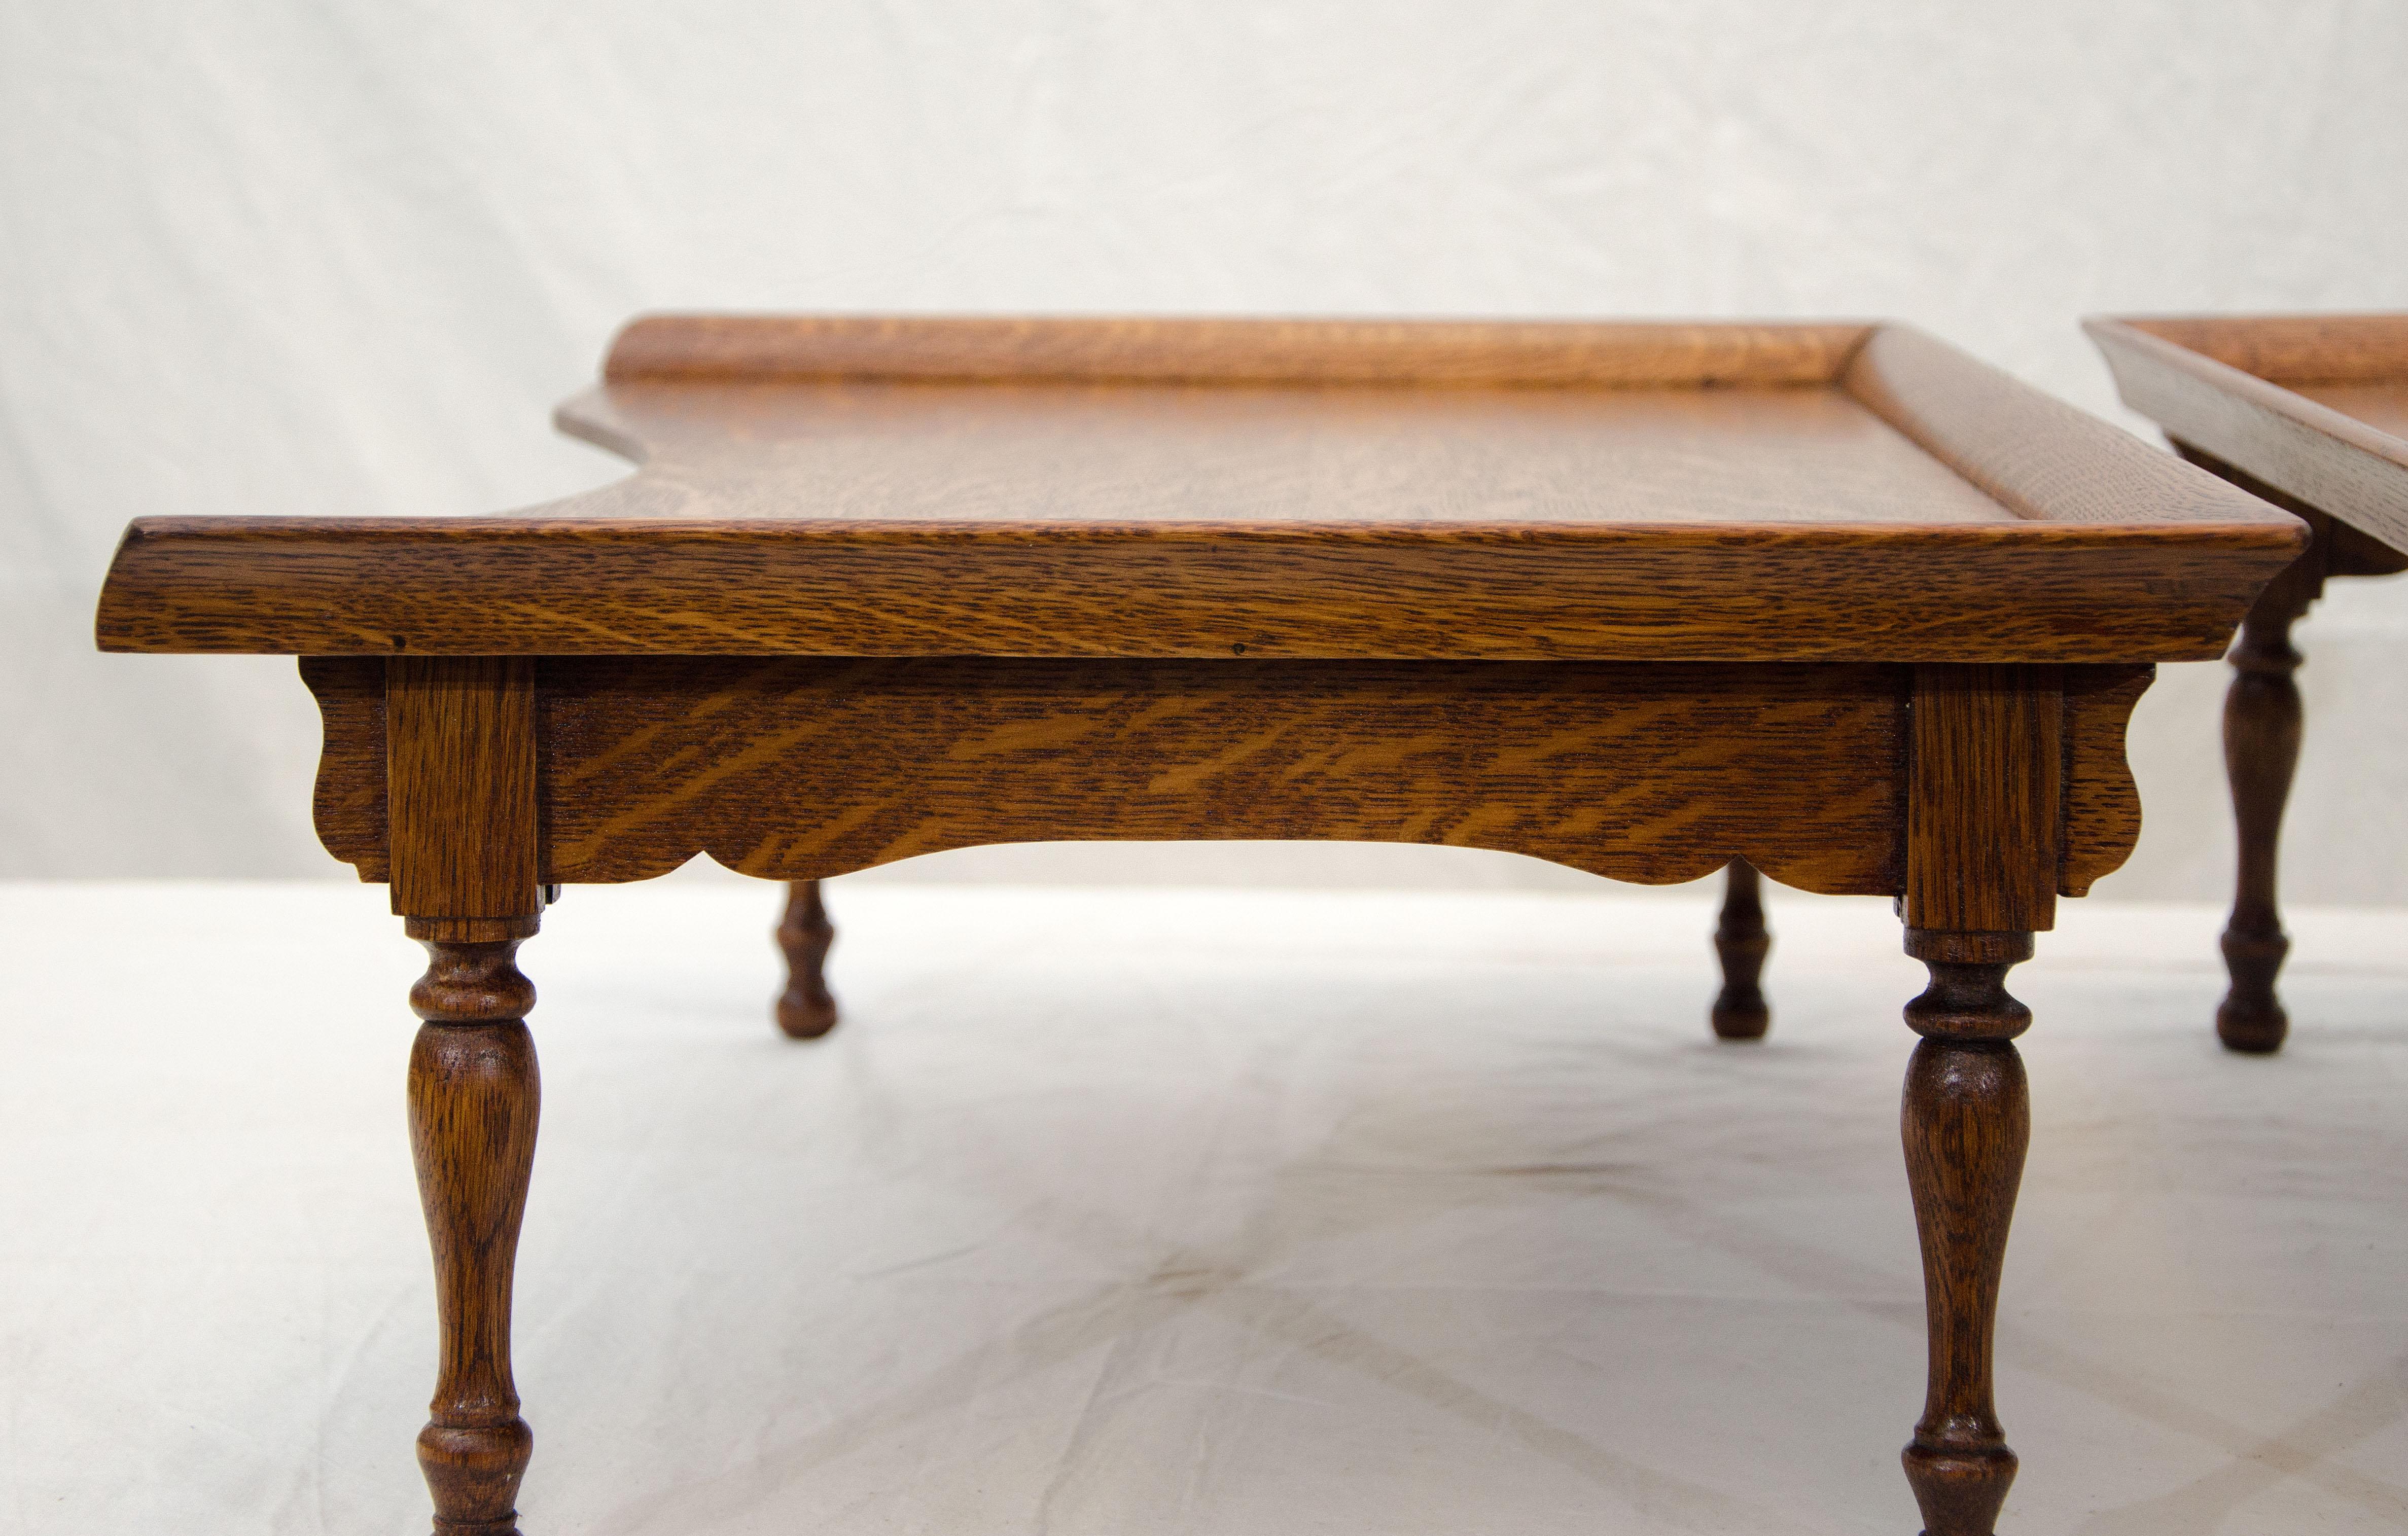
{"x": 342, "y": 258}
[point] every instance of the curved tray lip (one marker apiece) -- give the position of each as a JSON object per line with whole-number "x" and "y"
{"x": 2132, "y": 332}
{"x": 1229, "y": 350}
{"x": 567, "y": 521}
{"x": 2268, "y": 429}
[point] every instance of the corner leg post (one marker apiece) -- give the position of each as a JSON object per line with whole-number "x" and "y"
{"x": 1966, "y": 1120}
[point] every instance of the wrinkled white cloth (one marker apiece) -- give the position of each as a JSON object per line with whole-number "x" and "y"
{"x": 343, "y": 258}
{"x": 1111, "y": 1211}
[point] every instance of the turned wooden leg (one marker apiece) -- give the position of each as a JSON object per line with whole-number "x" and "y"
{"x": 805, "y": 1009}
{"x": 1966, "y": 1120}
{"x": 1741, "y": 943}
{"x": 461, "y": 824}
{"x": 473, "y": 1098}
{"x": 2261, "y": 749}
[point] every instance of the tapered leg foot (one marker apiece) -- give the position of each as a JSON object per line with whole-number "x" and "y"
{"x": 1741, "y": 943}
{"x": 1966, "y": 1120}
{"x": 474, "y": 1096}
{"x": 805, "y": 1009}
{"x": 2252, "y": 1018}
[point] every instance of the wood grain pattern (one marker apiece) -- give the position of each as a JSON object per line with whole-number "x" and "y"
{"x": 796, "y": 769}
{"x": 842, "y": 456}
{"x": 2035, "y": 455}
{"x": 1949, "y": 592}
{"x": 1740, "y": 946}
{"x": 461, "y": 794}
{"x": 2221, "y": 386}
{"x": 473, "y": 1100}
{"x": 1128, "y": 349}
{"x": 2102, "y": 809}
{"x": 1985, "y": 768}
{"x": 1291, "y": 498}
{"x": 1966, "y": 1120}
{"x": 2102, "y": 803}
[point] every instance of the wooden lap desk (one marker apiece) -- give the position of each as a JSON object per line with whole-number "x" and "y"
{"x": 2311, "y": 413}
{"x": 1834, "y": 600}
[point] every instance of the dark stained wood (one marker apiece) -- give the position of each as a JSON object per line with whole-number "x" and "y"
{"x": 1740, "y": 946}
{"x": 2103, "y": 804}
{"x": 461, "y": 789}
{"x": 2262, "y": 727}
{"x": 799, "y": 768}
{"x": 2350, "y": 552}
{"x": 2309, "y": 412}
{"x": 474, "y": 1097}
{"x": 1966, "y": 1120}
{"x": 2261, "y": 750}
{"x": 1290, "y": 498}
{"x": 2270, "y": 395}
{"x": 1984, "y": 807}
{"x": 1984, "y": 785}
{"x": 1984, "y": 821}
{"x": 806, "y": 1008}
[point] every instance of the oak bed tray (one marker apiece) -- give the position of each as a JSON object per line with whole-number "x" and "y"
{"x": 1834, "y": 603}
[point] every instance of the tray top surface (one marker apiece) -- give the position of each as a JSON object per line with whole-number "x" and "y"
{"x": 1203, "y": 455}
{"x": 856, "y": 486}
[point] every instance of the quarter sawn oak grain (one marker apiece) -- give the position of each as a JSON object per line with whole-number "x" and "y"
{"x": 799, "y": 769}
{"x": 932, "y": 733}
{"x": 460, "y": 750}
